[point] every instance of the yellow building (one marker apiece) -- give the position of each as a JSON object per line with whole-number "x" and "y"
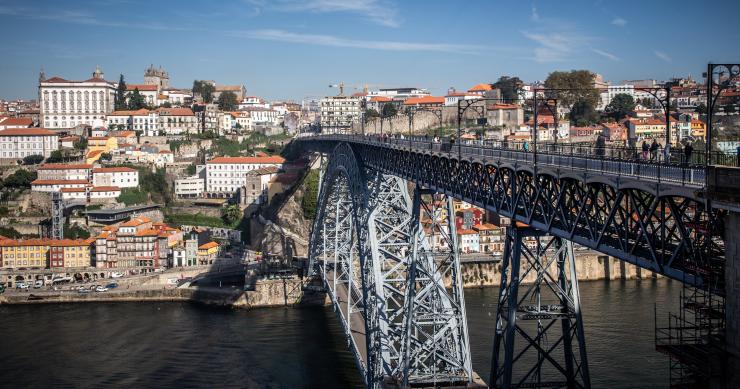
{"x": 698, "y": 129}
{"x": 105, "y": 144}
{"x": 44, "y": 253}
{"x": 207, "y": 253}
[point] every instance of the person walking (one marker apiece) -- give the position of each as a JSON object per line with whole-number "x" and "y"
{"x": 653, "y": 150}
{"x": 687, "y": 151}
{"x": 667, "y": 153}
{"x": 737, "y": 158}
{"x": 645, "y": 150}
{"x": 526, "y": 146}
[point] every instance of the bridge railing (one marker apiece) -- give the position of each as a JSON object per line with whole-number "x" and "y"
{"x": 612, "y": 161}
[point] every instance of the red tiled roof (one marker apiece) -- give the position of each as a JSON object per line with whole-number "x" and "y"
{"x": 175, "y": 111}
{"x": 141, "y": 87}
{"x": 105, "y": 189}
{"x": 136, "y": 221}
{"x": 481, "y": 88}
{"x": 59, "y": 182}
{"x": 27, "y": 132}
{"x": 424, "y": 100}
{"x": 94, "y": 153}
{"x": 248, "y": 160}
{"x": 140, "y": 112}
{"x": 207, "y": 246}
{"x": 504, "y": 106}
{"x": 17, "y": 122}
{"x": 380, "y": 99}
{"x": 72, "y": 190}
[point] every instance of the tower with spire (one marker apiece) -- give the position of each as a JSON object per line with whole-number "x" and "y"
{"x": 98, "y": 73}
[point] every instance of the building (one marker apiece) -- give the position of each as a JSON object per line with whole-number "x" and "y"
{"x": 257, "y": 185}
{"x": 339, "y": 112}
{"x": 138, "y": 242}
{"x": 176, "y": 97}
{"x": 6, "y": 123}
{"x": 490, "y": 238}
{"x": 505, "y": 115}
{"x": 49, "y": 186}
{"x": 190, "y": 187}
{"x": 480, "y": 89}
{"x": 90, "y": 193}
{"x": 176, "y": 121}
{"x": 424, "y": 102}
{"x": 453, "y": 97}
{"x": 122, "y": 177}
{"x": 468, "y": 240}
{"x": 62, "y": 171}
{"x": 239, "y": 90}
{"x": 607, "y": 94}
{"x": 207, "y": 253}
{"x": 69, "y": 253}
{"x": 225, "y": 175}
{"x": 104, "y": 144}
{"x": 67, "y": 104}
{"x": 17, "y": 143}
{"x": 399, "y": 94}
{"x": 45, "y": 253}
{"x": 157, "y": 77}
{"x": 263, "y": 116}
{"x": 150, "y": 93}
{"x": 143, "y": 120}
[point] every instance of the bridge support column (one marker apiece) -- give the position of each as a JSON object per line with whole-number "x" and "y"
{"x": 732, "y": 298}
{"x": 550, "y": 355}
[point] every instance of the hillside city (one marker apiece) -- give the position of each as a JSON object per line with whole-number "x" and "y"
{"x": 114, "y": 177}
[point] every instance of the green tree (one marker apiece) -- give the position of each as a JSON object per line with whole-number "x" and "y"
{"x": 120, "y": 101}
{"x": 75, "y": 232}
{"x": 573, "y": 86}
{"x": 56, "y": 156}
{"x": 701, "y": 108}
{"x": 190, "y": 170}
{"x": 729, "y": 108}
{"x": 371, "y": 113}
{"x": 10, "y": 232}
{"x": 231, "y": 214}
{"x": 132, "y": 196}
{"x": 33, "y": 159}
{"x": 389, "y": 109}
{"x": 583, "y": 113}
{"x": 310, "y": 194}
{"x": 20, "y": 179}
{"x": 509, "y": 87}
{"x": 621, "y": 105}
{"x": 227, "y": 101}
{"x": 166, "y": 104}
{"x": 136, "y": 100}
{"x": 204, "y": 89}
{"x": 106, "y": 157}
{"x": 81, "y": 144}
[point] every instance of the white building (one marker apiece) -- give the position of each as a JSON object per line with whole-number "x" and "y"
{"x": 176, "y": 121}
{"x": 67, "y": 104}
{"x": 91, "y": 192}
{"x": 607, "y": 95}
{"x": 399, "y": 93}
{"x": 339, "y": 112}
{"x": 60, "y": 171}
{"x": 122, "y": 177}
{"x": 225, "y": 175}
{"x": 253, "y": 102}
{"x": 264, "y": 116}
{"x": 190, "y": 187}
{"x": 17, "y": 143}
{"x": 142, "y": 120}
{"x": 49, "y": 186}
{"x": 177, "y": 97}
{"x": 149, "y": 92}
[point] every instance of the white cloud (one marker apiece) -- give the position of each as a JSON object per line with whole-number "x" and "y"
{"x": 555, "y": 46}
{"x": 334, "y": 41}
{"x": 379, "y": 12}
{"x": 663, "y": 56}
{"x": 606, "y": 54}
{"x": 535, "y": 16}
{"x": 619, "y": 22}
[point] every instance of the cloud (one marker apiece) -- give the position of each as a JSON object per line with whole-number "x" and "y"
{"x": 606, "y": 54}
{"x": 334, "y": 41}
{"x": 663, "y": 56}
{"x": 535, "y": 16}
{"x": 555, "y": 46}
{"x": 619, "y": 22}
{"x": 376, "y": 11}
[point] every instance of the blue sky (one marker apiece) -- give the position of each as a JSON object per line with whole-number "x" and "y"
{"x": 283, "y": 49}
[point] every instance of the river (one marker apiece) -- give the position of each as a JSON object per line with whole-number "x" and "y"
{"x": 181, "y": 345}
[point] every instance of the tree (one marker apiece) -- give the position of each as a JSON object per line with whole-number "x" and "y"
{"x": 701, "y": 108}
{"x": 120, "y": 102}
{"x": 204, "y": 89}
{"x": 106, "y": 157}
{"x": 621, "y": 105}
{"x": 575, "y": 85}
{"x": 509, "y": 87}
{"x": 166, "y": 104}
{"x": 371, "y": 113}
{"x": 227, "y": 101}
{"x": 10, "y": 232}
{"x": 583, "y": 113}
{"x": 729, "y": 108}
{"x": 136, "y": 100}
{"x": 389, "y": 109}
{"x": 33, "y": 159}
{"x": 190, "y": 170}
{"x": 231, "y": 214}
{"x": 80, "y": 144}
{"x": 310, "y": 194}
{"x": 56, "y": 156}
{"x": 21, "y": 179}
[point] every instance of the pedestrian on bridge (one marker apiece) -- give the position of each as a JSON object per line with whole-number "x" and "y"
{"x": 667, "y": 153}
{"x": 645, "y": 150}
{"x": 654, "y": 150}
{"x": 737, "y": 158}
{"x": 687, "y": 151}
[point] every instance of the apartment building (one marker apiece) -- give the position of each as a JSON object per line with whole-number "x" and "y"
{"x": 17, "y": 143}
{"x": 225, "y": 175}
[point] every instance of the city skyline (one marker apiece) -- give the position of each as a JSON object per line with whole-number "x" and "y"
{"x": 291, "y": 50}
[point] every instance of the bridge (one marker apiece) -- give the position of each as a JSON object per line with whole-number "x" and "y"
{"x": 400, "y": 299}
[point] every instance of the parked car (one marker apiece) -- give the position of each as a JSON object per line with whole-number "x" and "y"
{"x": 82, "y": 290}
{"x": 21, "y": 285}
{"x": 38, "y": 284}
{"x": 100, "y": 288}
{"x": 112, "y": 285}
{"x": 116, "y": 274}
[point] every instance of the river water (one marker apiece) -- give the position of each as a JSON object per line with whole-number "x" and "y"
{"x": 181, "y": 345}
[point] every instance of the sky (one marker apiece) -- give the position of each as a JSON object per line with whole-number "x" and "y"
{"x": 294, "y": 49}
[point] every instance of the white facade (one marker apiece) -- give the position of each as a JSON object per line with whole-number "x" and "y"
{"x": 17, "y": 143}
{"x": 177, "y": 96}
{"x": 122, "y": 177}
{"x": 190, "y": 187}
{"x": 253, "y": 102}
{"x": 225, "y": 175}
{"x": 400, "y": 93}
{"x": 264, "y": 116}
{"x": 95, "y": 193}
{"x": 612, "y": 90}
{"x": 64, "y": 172}
{"x": 67, "y": 104}
{"x": 339, "y": 112}
{"x": 142, "y": 120}
{"x": 49, "y": 186}
{"x": 176, "y": 121}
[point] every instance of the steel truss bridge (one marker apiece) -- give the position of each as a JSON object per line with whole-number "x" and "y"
{"x": 389, "y": 260}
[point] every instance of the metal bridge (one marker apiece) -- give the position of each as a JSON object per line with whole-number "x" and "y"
{"x": 400, "y": 299}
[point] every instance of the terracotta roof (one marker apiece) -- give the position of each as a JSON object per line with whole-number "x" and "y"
{"x": 234, "y": 88}
{"x": 63, "y": 166}
{"x": 94, "y": 153}
{"x": 207, "y": 246}
{"x": 504, "y": 106}
{"x": 17, "y": 122}
{"x": 69, "y": 138}
{"x": 481, "y": 88}
{"x": 380, "y": 99}
{"x": 113, "y": 170}
{"x": 485, "y": 227}
{"x": 141, "y": 87}
{"x": 140, "y": 112}
{"x": 424, "y": 100}
{"x": 136, "y": 221}
{"x": 124, "y": 134}
{"x": 72, "y": 190}
{"x": 27, "y": 132}
{"x": 43, "y": 242}
{"x": 248, "y": 160}
{"x": 105, "y": 189}
{"x": 59, "y": 182}
{"x": 165, "y": 152}
{"x": 99, "y": 137}
{"x": 175, "y": 111}
{"x": 466, "y": 232}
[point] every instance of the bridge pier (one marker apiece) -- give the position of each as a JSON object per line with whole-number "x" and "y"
{"x": 732, "y": 298}
{"x": 531, "y": 316}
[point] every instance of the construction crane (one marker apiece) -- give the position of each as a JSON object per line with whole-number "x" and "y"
{"x": 340, "y": 86}
{"x": 364, "y": 87}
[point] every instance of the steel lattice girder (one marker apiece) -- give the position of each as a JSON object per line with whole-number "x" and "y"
{"x": 531, "y": 313}
{"x": 664, "y": 228}
{"x": 428, "y": 345}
